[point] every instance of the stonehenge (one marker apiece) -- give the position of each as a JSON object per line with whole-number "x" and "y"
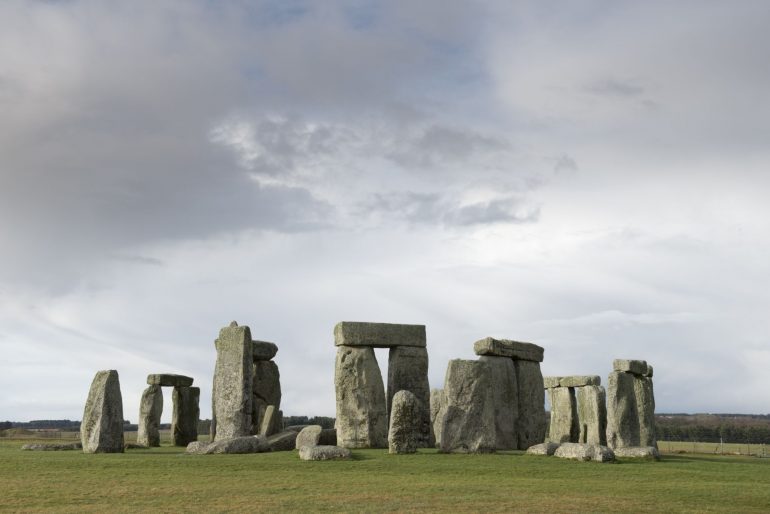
{"x": 185, "y": 414}
{"x": 101, "y": 430}
{"x": 232, "y": 389}
{"x": 266, "y": 388}
{"x": 406, "y": 418}
{"x": 630, "y": 405}
{"x": 578, "y": 412}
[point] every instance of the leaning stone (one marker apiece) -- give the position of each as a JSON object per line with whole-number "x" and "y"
{"x": 645, "y": 408}
{"x": 101, "y": 430}
{"x": 378, "y": 335}
{"x": 580, "y": 381}
{"x": 184, "y": 417}
{"x": 638, "y": 452}
{"x": 169, "y": 380}
{"x": 309, "y": 436}
{"x": 282, "y": 441}
{"x": 468, "y": 416}
{"x": 531, "y": 424}
{"x": 266, "y": 387}
{"x": 247, "y": 444}
{"x": 592, "y": 415}
{"x": 584, "y": 452}
{"x": 150, "y": 410}
{"x": 547, "y": 448}
{"x": 362, "y": 418}
{"x": 324, "y": 453}
{"x": 263, "y": 350}
{"x": 508, "y": 348}
{"x": 551, "y": 382}
{"x": 232, "y": 391}
{"x": 405, "y": 434}
{"x": 52, "y": 447}
{"x": 408, "y": 371}
{"x": 637, "y": 367}
{"x": 436, "y": 400}
{"x": 622, "y": 414}
{"x": 267, "y": 427}
{"x": 564, "y": 426}
{"x": 506, "y": 400}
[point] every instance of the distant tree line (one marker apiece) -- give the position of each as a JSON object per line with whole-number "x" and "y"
{"x": 711, "y": 428}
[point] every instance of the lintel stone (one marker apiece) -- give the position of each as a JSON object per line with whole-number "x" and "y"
{"x": 637, "y": 367}
{"x": 507, "y": 348}
{"x": 264, "y": 351}
{"x": 169, "y": 380}
{"x": 378, "y": 335}
{"x": 551, "y": 382}
{"x": 580, "y": 381}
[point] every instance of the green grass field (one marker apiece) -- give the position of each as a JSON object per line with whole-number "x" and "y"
{"x": 167, "y": 480}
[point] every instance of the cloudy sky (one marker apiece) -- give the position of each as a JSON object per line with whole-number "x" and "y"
{"x": 589, "y": 176}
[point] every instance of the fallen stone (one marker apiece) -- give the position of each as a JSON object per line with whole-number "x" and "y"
{"x": 592, "y": 415}
{"x": 564, "y": 426}
{"x": 637, "y": 367}
{"x": 197, "y": 447}
{"x": 505, "y": 397}
{"x": 580, "y": 381}
{"x": 266, "y": 387}
{"x": 136, "y": 446}
{"x": 362, "y": 418}
{"x": 247, "y": 444}
{"x": 282, "y": 441}
{"x": 378, "y": 335}
{"x": 309, "y": 436}
{"x": 508, "y": 348}
{"x": 150, "y": 410}
{"x": 406, "y": 419}
{"x": 622, "y": 414}
{"x": 584, "y": 452}
{"x": 408, "y": 371}
{"x": 468, "y": 414}
{"x": 638, "y": 452}
{"x": 324, "y": 453}
{"x": 232, "y": 391}
{"x": 101, "y": 430}
{"x": 531, "y": 424}
{"x": 547, "y": 448}
{"x": 185, "y": 416}
{"x": 263, "y": 350}
{"x": 52, "y": 447}
{"x": 436, "y": 400}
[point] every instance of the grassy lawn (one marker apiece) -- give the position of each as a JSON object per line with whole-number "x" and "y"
{"x": 165, "y": 479}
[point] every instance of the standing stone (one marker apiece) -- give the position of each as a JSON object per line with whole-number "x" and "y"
{"x": 506, "y": 400}
{"x": 592, "y": 414}
{"x": 308, "y": 436}
{"x": 266, "y": 389}
{"x": 184, "y": 417}
{"x": 468, "y": 416}
{"x": 436, "y": 401}
{"x": 232, "y": 391}
{"x": 150, "y": 410}
{"x": 531, "y": 425}
{"x": 406, "y": 423}
{"x": 101, "y": 430}
{"x": 645, "y": 404}
{"x": 622, "y": 414}
{"x": 408, "y": 371}
{"x": 564, "y": 420}
{"x": 362, "y": 418}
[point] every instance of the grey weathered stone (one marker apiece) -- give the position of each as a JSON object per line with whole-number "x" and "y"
{"x": 263, "y": 350}
{"x": 546, "y": 448}
{"x": 150, "y": 410}
{"x": 592, "y": 414}
{"x": 328, "y": 437}
{"x": 197, "y": 447}
{"x": 580, "y": 381}
{"x": 531, "y": 424}
{"x": 378, "y": 335}
{"x": 645, "y": 408}
{"x": 282, "y": 441}
{"x": 584, "y": 452}
{"x": 324, "y": 453}
{"x": 637, "y": 367}
{"x": 52, "y": 446}
{"x": 505, "y": 396}
{"x": 564, "y": 426}
{"x": 408, "y": 371}
{"x": 169, "y": 380}
{"x": 622, "y": 414}
{"x": 269, "y": 421}
{"x": 184, "y": 417}
{"x": 406, "y": 423}
{"x": 638, "y": 452}
{"x": 468, "y": 416}
{"x": 436, "y": 401}
{"x": 551, "y": 382}
{"x": 309, "y": 436}
{"x": 266, "y": 387}
{"x": 362, "y": 418}
{"x": 101, "y": 430}
{"x": 246, "y": 444}
{"x": 648, "y": 373}
{"x": 508, "y": 348}
{"x": 232, "y": 391}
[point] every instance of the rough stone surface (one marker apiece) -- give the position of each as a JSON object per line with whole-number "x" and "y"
{"x": 169, "y": 380}
{"x": 508, "y": 348}
{"x": 408, "y": 371}
{"x": 184, "y": 417}
{"x": 584, "y": 452}
{"x": 436, "y": 400}
{"x": 263, "y": 350}
{"x": 531, "y": 424}
{"x": 580, "y": 381}
{"x": 506, "y": 400}
{"x": 637, "y": 367}
{"x": 564, "y": 426}
{"x": 266, "y": 388}
{"x": 232, "y": 391}
{"x": 467, "y": 416}
{"x": 546, "y": 448}
{"x": 592, "y": 414}
{"x": 101, "y": 430}
{"x": 324, "y": 452}
{"x": 645, "y": 408}
{"x": 197, "y": 447}
{"x": 551, "y": 382}
{"x": 622, "y": 414}
{"x": 247, "y": 444}
{"x": 309, "y": 436}
{"x": 282, "y": 441}
{"x": 362, "y": 418}
{"x": 406, "y": 423}
{"x": 638, "y": 452}
{"x": 378, "y": 335}
{"x": 269, "y": 421}
{"x": 52, "y": 447}
{"x": 150, "y": 410}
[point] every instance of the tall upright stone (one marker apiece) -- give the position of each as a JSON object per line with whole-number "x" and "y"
{"x": 266, "y": 391}
{"x": 185, "y": 415}
{"x": 408, "y": 371}
{"x": 405, "y": 434}
{"x": 101, "y": 430}
{"x": 467, "y": 415}
{"x": 436, "y": 401}
{"x": 232, "y": 391}
{"x": 150, "y": 410}
{"x": 592, "y": 414}
{"x": 531, "y": 425}
{"x": 622, "y": 415}
{"x": 505, "y": 395}
{"x": 362, "y": 418}
{"x": 564, "y": 418}
{"x": 645, "y": 405}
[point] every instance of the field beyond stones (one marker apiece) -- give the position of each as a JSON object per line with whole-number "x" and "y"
{"x": 166, "y": 479}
